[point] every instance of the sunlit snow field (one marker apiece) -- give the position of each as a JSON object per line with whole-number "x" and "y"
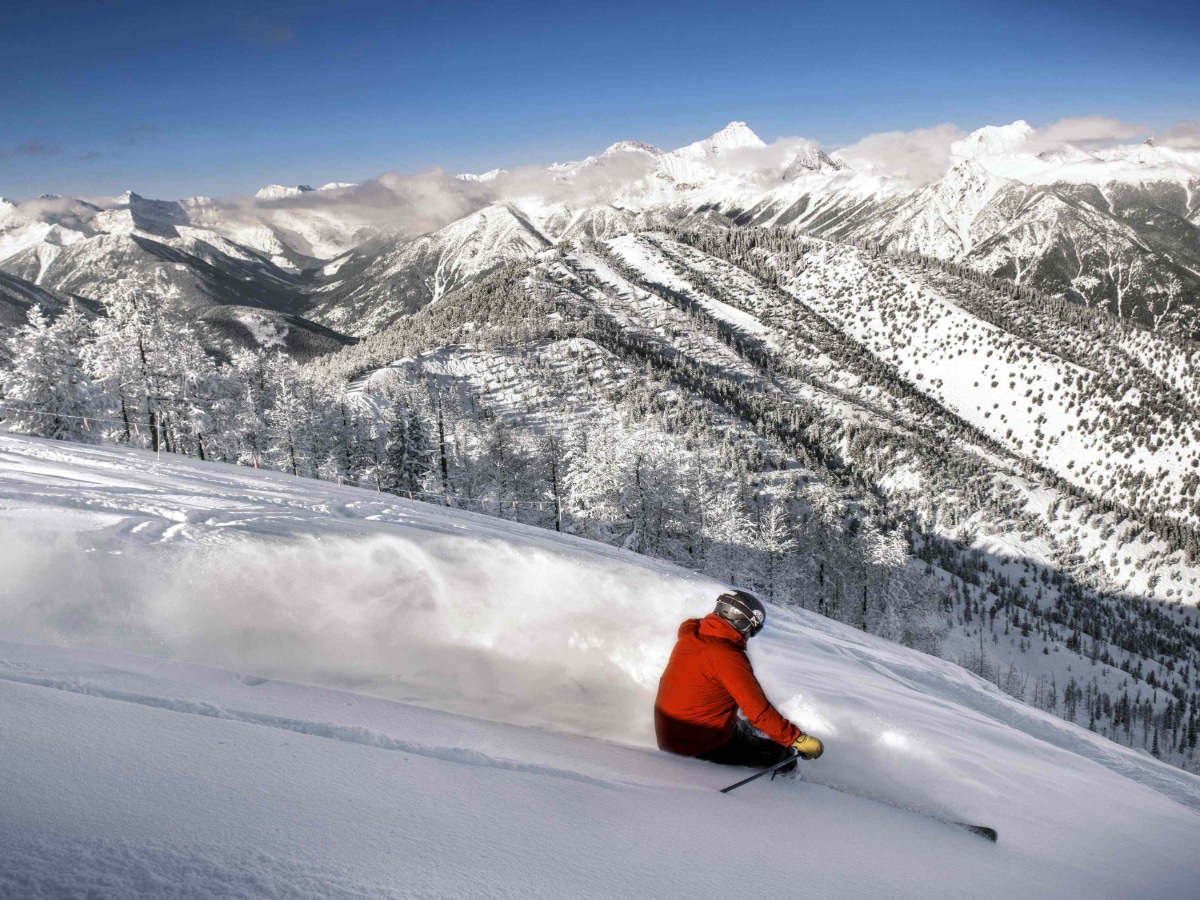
{"x": 223, "y": 682}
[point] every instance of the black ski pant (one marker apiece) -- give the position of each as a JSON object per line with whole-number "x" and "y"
{"x": 747, "y": 747}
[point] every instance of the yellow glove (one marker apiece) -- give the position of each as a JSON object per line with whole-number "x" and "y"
{"x": 808, "y": 746}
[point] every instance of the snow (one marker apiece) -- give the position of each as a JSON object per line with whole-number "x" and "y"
{"x": 734, "y": 136}
{"x": 17, "y": 236}
{"x": 974, "y": 213}
{"x": 692, "y": 165}
{"x": 490, "y": 175}
{"x": 279, "y": 191}
{"x": 266, "y": 332}
{"x": 631, "y": 147}
{"x": 1011, "y": 151}
{"x": 332, "y": 268}
{"x": 983, "y": 373}
{"x": 643, "y": 257}
{"x": 237, "y": 683}
{"x": 1127, "y": 171}
{"x": 940, "y": 217}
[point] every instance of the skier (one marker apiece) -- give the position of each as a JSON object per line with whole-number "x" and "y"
{"x": 707, "y": 680}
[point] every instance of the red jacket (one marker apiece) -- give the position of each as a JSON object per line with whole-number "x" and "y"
{"x": 706, "y": 680}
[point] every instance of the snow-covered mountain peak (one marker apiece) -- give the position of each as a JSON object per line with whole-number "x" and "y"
{"x": 693, "y": 165}
{"x": 1136, "y": 164}
{"x": 620, "y": 151}
{"x": 131, "y": 200}
{"x": 337, "y": 185}
{"x": 1011, "y": 151}
{"x": 734, "y": 136}
{"x": 279, "y": 191}
{"x": 632, "y": 147}
{"x": 490, "y": 175}
{"x": 58, "y": 236}
{"x": 810, "y": 158}
{"x": 968, "y": 173}
{"x": 1064, "y": 154}
{"x": 993, "y": 140}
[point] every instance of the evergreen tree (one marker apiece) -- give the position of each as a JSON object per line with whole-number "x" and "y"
{"x": 777, "y": 545}
{"x": 48, "y": 391}
{"x": 289, "y": 419}
{"x": 129, "y": 354}
{"x": 408, "y": 452}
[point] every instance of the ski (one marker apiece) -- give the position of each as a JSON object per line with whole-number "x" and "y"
{"x": 982, "y": 831}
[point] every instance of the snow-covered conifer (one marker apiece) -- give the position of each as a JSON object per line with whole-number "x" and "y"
{"x": 408, "y": 453}
{"x": 776, "y": 543}
{"x": 48, "y": 390}
{"x": 289, "y": 419}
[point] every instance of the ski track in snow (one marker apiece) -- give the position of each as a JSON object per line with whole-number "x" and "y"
{"x": 348, "y": 734}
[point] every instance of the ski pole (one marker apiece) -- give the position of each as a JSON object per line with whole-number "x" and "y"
{"x": 783, "y": 762}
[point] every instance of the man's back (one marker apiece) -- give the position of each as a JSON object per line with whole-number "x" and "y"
{"x": 706, "y": 680}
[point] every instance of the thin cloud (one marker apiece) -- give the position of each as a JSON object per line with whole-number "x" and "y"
{"x": 34, "y": 147}
{"x": 253, "y": 30}
{"x": 599, "y": 181}
{"x": 427, "y": 200}
{"x": 408, "y": 203}
{"x": 924, "y": 155}
{"x": 91, "y": 154}
{"x": 920, "y": 156}
{"x": 1083, "y": 131}
{"x": 1184, "y": 136}
{"x": 768, "y": 161}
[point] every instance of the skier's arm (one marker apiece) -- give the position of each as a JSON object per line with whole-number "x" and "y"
{"x": 738, "y": 677}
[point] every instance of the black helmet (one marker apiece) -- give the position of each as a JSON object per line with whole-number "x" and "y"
{"x": 743, "y": 611}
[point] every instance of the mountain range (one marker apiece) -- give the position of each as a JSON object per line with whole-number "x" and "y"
{"x": 1117, "y": 229}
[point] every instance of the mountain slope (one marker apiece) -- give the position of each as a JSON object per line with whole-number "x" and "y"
{"x": 375, "y": 286}
{"x": 359, "y": 794}
{"x": 236, "y": 296}
{"x": 18, "y": 296}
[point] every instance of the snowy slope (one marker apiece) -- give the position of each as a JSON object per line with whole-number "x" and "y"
{"x": 376, "y": 286}
{"x": 233, "y": 683}
{"x": 933, "y": 342}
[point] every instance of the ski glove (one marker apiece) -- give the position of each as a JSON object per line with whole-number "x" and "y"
{"x": 808, "y": 746}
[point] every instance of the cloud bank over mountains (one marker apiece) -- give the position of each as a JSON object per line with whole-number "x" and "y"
{"x": 422, "y": 201}
{"x": 1184, "y": 136}
{"x": 921, "y": 155}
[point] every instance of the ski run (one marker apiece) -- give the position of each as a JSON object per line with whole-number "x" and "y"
{"x": 223, "y": 682}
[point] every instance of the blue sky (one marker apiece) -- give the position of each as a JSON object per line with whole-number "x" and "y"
{"x": 221, "y": 98}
